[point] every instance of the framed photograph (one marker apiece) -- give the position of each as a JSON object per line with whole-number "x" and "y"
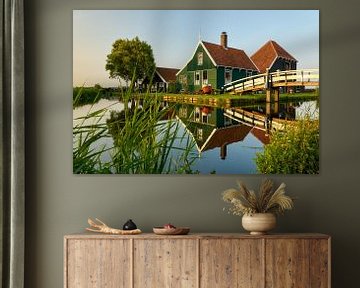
{"x": 170, "y": 92}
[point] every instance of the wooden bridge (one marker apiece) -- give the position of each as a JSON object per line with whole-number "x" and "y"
{"x": 272, "y": 81}
{"x": 257, "y": 120}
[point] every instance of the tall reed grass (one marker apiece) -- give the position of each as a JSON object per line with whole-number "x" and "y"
{"x": 146, "y": 139}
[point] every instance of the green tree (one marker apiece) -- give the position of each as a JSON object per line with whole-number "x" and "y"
{"x": 174, "y": 87}
{"x": 293, "y": 151}
{"x": 130, "y": 59}
{"x": 97, "y": 86}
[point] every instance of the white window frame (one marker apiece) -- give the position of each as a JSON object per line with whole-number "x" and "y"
{"x": 200, "y": 58}
{"x": 200, "y": 134}
{"x": 230, "y": 71}
{"x": 153, "y": 88}
{"x": 197, "y": 114}
{"x": 183, "y": 112}
{"x": 205, "y": 81}
{"x": 227, "y": 121}
{"x": 287, "y": 65}
{"x": 197, "y": 81}
{"x": 204, "y": 118}
{"x": 249, "y": 73}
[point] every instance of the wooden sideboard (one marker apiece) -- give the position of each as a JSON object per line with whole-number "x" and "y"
{"x": 197, "y": 260}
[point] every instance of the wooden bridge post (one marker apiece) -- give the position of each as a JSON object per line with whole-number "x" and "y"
{"x": 276, "y": 95}
{"x": 276, "y": 107}
{"x": 272, "y": 108}
{"x": 272, "y": 91}
{"x": 268, "y": 85}
{"x": 268, "y": 108}
{"x": 268, "y": 95}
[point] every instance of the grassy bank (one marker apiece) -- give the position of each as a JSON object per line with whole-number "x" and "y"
{"x": 258, "y": 96}
{"x": 228, "y": 100}
{"x": 91, "y": 95}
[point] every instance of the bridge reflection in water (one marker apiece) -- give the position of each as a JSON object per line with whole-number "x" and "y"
{"x": 217, "y": 128}
{"x": 224, "y": 145}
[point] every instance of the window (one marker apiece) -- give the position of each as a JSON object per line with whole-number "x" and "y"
{"x": 227, "y": 121}
{"x": 205, "y": 118}
{"x": 227, "y": 75}
{"x": 248, "y": 73}
{"x": 197, "y": 78}
{"x": 199, "y": 134}
{"x": 161, "y": 86}
{"x": 200, "y": 58}
{"x": 197, "y": 114}
{"x": 205, "y": 77}
{"x": 287, "y": 65}
{"x": 183, "y": 112}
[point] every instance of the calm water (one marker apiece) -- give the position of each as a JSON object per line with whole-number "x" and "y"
{"x": 222, "y": 145}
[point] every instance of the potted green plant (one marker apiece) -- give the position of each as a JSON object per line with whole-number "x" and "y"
{"x": 258, "y": 210}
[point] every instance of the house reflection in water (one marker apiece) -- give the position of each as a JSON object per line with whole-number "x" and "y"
{"x": 211, "y": 129}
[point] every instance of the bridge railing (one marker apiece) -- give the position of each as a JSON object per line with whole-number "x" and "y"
{"x": 278, "y": 78}
{"x": 246, "y": 83}
{"x": 299, "y": 76}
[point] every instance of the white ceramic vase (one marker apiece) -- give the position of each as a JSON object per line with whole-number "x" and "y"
{"x": 259, "y": 223}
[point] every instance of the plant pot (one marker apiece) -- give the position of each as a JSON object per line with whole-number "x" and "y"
{"x": 259, "y": 223}
{"x": 207, "y": 89}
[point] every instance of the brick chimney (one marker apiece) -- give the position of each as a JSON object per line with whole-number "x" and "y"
{"x": 223, "y": 40}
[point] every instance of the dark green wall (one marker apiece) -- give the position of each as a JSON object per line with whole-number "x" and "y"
{"x": 212, "y": 74}
{"x": 192, "y": 66}
{"x": 220, "y": 76}
{"x": 58, "y": 202}
{"x": 279, "y": 64}
{"x": 239, "y": 73}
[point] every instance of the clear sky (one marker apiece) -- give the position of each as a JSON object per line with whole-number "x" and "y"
{"x": 174, "y": 34}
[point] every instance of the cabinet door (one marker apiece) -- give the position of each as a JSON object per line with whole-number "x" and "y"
{"x": 287, "y": 263}
{"x": 165, "y": 263}
{"x": 320, "y": 263}
{"x": 231, "y": 263}
{"x": 98, "y": 263}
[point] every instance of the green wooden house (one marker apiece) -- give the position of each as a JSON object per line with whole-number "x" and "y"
{"x": 162, "y": 78}
{"x": 215, "y": 65}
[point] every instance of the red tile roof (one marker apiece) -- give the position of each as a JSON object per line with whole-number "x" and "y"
{"x": 261, "y": 135}
{"x": 226, "y": 135}
{"x": 168, "y": 74}
{"x": 229, "y": 56}
{"x": 266, "y": 55}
